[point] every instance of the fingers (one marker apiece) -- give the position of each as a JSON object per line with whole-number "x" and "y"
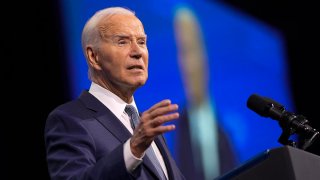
{"x": 143, "y": 137}
{"x": 152, "y": 124}
{"x": 152, "y": 120}
{"x": 158, "y": 115}
{"x": 161, "y": 108}
{"x": 162, "y": 119}
{"x": 160, "y": 104}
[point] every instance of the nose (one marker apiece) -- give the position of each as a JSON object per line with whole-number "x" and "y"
{"x": 136, "y": 51}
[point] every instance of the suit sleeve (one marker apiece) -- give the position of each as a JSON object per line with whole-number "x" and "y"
{"x": 71, "y": 152}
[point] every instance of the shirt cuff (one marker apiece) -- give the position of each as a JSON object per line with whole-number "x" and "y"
{"x": 130, "y": 160}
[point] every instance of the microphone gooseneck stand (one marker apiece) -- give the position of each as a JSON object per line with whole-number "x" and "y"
{"x": 290, "y": 123}
{"x": 297, "y": 124}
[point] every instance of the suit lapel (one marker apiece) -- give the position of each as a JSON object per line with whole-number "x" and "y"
{"x": 111, "y": 123}
{"x": 165, "y": 154}
{"x": 105, "y": 117}
{"x": 149, "y": 165}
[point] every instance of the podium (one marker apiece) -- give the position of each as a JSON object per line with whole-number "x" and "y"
{"x": 283, "y": 163}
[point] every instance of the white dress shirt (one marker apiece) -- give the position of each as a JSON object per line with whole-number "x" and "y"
{"x": 116, "y": 105}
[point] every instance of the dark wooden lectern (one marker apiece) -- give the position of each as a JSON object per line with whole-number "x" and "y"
{"x": 284, "y": 163}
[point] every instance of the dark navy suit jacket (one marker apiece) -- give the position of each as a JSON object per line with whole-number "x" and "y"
{"x": 84, "y": 140}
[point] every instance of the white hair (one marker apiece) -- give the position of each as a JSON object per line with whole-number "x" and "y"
{"x": 91, "y": 33}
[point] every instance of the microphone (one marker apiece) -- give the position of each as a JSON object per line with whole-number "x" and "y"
{"x": 266, "y": 107}
{"x": 288, "y": 121}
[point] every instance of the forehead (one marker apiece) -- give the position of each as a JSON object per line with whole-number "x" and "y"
{"x": 122, "y": 24}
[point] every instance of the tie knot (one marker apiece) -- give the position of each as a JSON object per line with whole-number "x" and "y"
{"x": 130, "y": 109}
{"x": 133, "y": 114}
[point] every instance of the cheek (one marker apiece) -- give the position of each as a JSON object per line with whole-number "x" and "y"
{"x": 146, "y": 58}
{"x": 110, "y": 60}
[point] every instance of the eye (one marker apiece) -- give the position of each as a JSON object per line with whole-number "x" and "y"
{"x": 123, "y": 42}
{"x": 142, "y": 42}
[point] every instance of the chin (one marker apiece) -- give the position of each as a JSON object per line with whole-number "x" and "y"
{"x": 140, "y": 80}
{"x": 140, "y": 83}
{"x": 137, "y": 81}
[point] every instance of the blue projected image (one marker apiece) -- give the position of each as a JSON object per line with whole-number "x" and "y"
{"x": 208, "y": 58}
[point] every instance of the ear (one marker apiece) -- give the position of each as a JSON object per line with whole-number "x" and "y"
{"x": 93, "y": 58}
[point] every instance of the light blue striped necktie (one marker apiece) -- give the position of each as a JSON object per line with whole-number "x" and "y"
{"x": 134, "y": 120}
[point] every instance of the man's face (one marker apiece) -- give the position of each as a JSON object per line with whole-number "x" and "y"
{"x": 123, "y": 53}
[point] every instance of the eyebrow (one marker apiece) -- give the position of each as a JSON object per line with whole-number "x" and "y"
{"x": 128, "y": 36}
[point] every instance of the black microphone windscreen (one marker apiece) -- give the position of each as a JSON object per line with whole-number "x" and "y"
{"x": 259, "y": 105}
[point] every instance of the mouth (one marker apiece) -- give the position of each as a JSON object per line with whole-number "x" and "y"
{"x": 137, "y": 67}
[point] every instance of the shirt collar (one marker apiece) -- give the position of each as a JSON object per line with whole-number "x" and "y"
{"x": 114, "y": 103}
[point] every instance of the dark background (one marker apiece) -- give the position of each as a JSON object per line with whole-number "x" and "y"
{"x": 35, "y": 77}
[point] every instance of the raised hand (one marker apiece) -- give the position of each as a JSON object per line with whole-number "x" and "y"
{"x": 152, "y": 124}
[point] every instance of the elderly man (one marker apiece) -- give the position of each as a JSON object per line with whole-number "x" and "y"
{"x": 101, "y": 135}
